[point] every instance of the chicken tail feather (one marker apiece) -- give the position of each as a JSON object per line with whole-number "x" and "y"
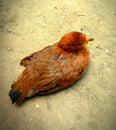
{"x": 14, "y": 95}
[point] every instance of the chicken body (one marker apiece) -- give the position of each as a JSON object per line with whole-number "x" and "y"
{"x": 54, "y": 68}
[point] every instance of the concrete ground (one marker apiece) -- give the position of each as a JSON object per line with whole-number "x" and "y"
{"x": 29, "y": 25}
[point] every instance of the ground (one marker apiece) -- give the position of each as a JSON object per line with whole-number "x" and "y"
{"x": 29, "y": 25}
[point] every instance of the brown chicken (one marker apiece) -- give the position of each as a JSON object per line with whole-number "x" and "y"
{"x": 54, "y": 68}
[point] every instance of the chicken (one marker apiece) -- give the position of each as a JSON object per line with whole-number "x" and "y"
{"x": 54, "y": 68}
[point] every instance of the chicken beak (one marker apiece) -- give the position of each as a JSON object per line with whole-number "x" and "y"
{"x": 89, "y": 39}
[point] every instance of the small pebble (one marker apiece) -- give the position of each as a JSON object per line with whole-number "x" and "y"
{"x": 99, "y": 47}
{"x": 9, "y": 49}
{"x": 107, "y": 32}
{"x": 109, "y": 91}
{"x": 36, "y": 105}
{"x": 55, "y": 8}
{"x": 107, "y": 51}
{"x": 81, "y": 29}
